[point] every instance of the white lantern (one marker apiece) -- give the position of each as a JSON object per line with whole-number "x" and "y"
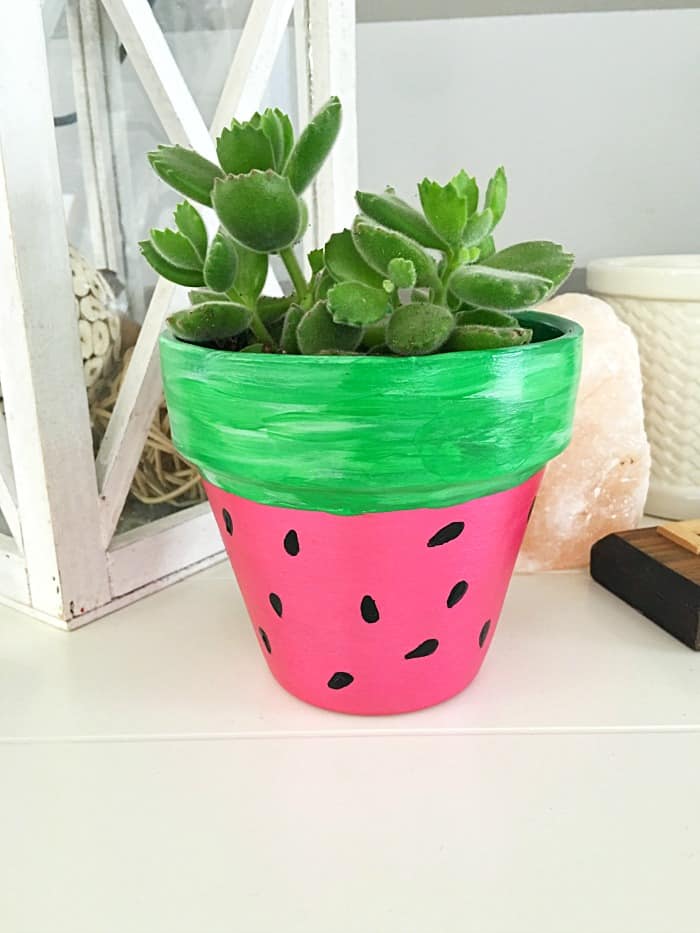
{"x": 62, "y": 558}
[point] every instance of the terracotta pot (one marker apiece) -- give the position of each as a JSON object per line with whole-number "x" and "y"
{"x": 373, "y": 507}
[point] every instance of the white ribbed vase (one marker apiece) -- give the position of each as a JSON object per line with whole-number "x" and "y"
{"x": 659, "y": 297}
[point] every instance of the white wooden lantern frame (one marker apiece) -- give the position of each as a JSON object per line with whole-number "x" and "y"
{"x": 63, "y": 562}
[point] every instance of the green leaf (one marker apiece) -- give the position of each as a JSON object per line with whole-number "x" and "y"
{"x": 221, "y": 263}
{"x": 315, "y": 258}
{"x": 536, "y": 257}
{"x": 418, "y": 329}
{"x": 251, "y": 273}
{"x": 345, "y": 263}
{"x": 211, "y": 321}
{"x": 189, "y": 222}
{"x": 272, "y": 309}
{"x": 259, "y": 210}
{"x": 242, "y": 147}
{"x": 186, "y": 171}
{"x": 204, "y": 295}
{"x": 272, "y": 128}
{"x": 355, "y": 303}
{"x": 318, "y": 331}
{"x": 496, "y": 194}
{"x": 485, "y": 316}
{"x": 175, "y": 249}
{"x": 287, "y": 138}
{"x": 402, "y": 273}
{"x": 323, "y": 282}
{"x": 253, "y": 348}
{"x": 303, "y": 220}
{"x": 288, "y": 340}
{"x": 487, "y": 248}
{"x": 396, "y": 214}
{"x": 498, "y": 289}
{"x": 466, "y": 187}
{"x": 313, "y": 146}
{"x": 480, "y": 337}
{"x": 445, "y": 209}
{"x": 168, "y": 270}
{"x": 375, "y": 334}
{"x": 478, "y": 227}
{"x": 378, "y": 247}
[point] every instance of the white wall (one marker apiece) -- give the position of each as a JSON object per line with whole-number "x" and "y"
{"x": 595, "y": 117}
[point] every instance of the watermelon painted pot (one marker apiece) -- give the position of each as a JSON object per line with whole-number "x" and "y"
{"x": 373, "y": 507}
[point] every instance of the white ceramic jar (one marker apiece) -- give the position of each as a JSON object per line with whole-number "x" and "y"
{"x": 659, "y": 297}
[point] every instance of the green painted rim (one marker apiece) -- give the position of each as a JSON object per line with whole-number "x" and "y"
{"x": 348, "y": 435}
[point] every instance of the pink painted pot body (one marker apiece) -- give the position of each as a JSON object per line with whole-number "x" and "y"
{"x": 375, "y": 613}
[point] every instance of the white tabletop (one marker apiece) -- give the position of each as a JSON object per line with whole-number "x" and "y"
{"x": 154, "y": 778}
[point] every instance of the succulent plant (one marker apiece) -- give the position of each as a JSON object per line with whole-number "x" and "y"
{"x": 400, "y": 282}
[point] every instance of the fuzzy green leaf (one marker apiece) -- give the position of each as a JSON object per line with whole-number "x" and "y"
{"x": 175, "y": 249}
{"x": 355, "y": 303}
{"x": 259, "y": 210}
{"x": 205, "y": 295}
{"x": 221, "y": 263}
{"x": 478, "y": 227}
{"x": 315, "y": 258}
{"x": 498, "y": 289}
{"x": 496, "y": 194}
{"x": 345, "y": 263}
{"x": 210, "y": 321}
{"x": 323, "y": 282}
{"x": 318, "y": 331}
{"x": 378, "y": 247}
{"x": 186, "y": 171}
{"x": 272, "y": 128}
{"x": 288, "y": 340}
{"x": 392, "y": 212}
{"x": 250, "y": 274}
{"x": 536, "y": 257}
{"x": 487, "y": 248}
{"x": 189, "y": 222}
{"x": 482, "y": 337}
{"x": 375, "y": 334}
{"x": 466, "y": 187}
{"x": 253, "y": 348}
{"x": 272, "y": 309}
{"x": 303, "y": 220}
{"x": 313, "y": 146}
{"x": 485, "y": 316}
{"x": 278, "y": 129}
{"x": 173, "y": 273}
{"x": 243, "y": 147}
{"x": 402, "y": 273}
{"x": 419, "y": 297}
{"x": 418, "y": 329}
{"x": 445, "y": 209}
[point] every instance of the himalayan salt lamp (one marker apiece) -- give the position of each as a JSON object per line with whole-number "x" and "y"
{"x": 599, "y": 484}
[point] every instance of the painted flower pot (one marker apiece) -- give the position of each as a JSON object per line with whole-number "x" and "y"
{"x": 373, "y": 507}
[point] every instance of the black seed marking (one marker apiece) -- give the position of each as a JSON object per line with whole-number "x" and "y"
{"x": 423, "y": 650}
{"x": 369, "y": 610}
{"x": 340, "y": 679}
{"x": 531, "y": 508}
{"x": 265, "y": 640}
{"x": 228, "y": 521}
{"x": 276, "y": 603}
{"x": 291, "y": 543}
{"x": 448, "y": 533}
{"x": 456, "y": 593}
{"x": 484, "y": 632}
